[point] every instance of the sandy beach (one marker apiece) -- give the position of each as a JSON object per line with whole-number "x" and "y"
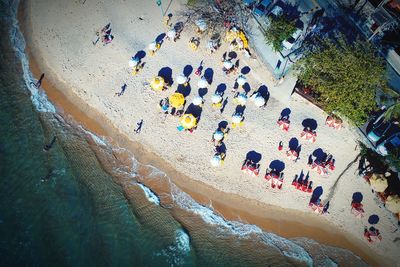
{"x": 82, "y": 80}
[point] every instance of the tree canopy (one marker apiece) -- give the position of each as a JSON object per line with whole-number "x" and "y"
{"x": 345, "y": 76}
{"x": 280, "y": 29}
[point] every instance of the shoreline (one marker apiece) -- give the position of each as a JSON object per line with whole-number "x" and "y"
{"x": 231, "y": 206}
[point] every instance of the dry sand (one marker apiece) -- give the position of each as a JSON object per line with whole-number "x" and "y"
{"x": 60, "y": 33}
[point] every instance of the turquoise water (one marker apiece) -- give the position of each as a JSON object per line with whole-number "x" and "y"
{"x": 82, "y": 203}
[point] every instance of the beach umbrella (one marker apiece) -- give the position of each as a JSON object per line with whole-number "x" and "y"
{"x": 228, "y": 64}
{"x": 198, "y": 100}
{"x": 216, "y": 161}
{"x": 284, "y": 124}
{"x": 171, "y": 34}
{"x": 373, "y": 219}
{"x": 259, "y": 101}
{"x": 188, "y": 121}
{"x": 201, "y": 24}
{"x": 236, "y": 118}
{"x": 157, "y": 83}
{"x": 378, "y": 182}
{"x": 292, "y": 154}
{"x": 202, "y": 83}
{"x": 329, "y": 121}
{"x": 218, "y": 135}
{"x": 181, "y": 79}
{"x": 392, "y": 203}
{"x": 216, "y": 98}
{"x": 133, "y": 62}
{"x": 176, "y": 100}
{"x": 152, "y": 46}
{"x": 241, "y": 80}
{"x": 241, "y": 99}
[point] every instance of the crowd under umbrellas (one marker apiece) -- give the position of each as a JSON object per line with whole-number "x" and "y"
{"x": 189, "y": 114}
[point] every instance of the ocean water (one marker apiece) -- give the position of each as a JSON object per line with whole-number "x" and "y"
{"x": 86, "y": 203}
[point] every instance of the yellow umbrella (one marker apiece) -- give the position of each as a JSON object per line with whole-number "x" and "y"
{"x": 157, "y": 83}
{"x": 378, "y": 182}
{"x": 176, "y": 100}
{"x": 188, "y": 121}
{"x": 392, "y": 203}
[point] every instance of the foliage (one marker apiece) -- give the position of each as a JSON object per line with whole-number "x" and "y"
{"x": 345, "y": 76}
{"x": 280, "y": 29}
{"x": 215, "y": 14}
{"x": 393, "y": 112}
{"x": 394, "y": 158}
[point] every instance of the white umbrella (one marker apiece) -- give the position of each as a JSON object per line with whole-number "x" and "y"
{"x": 216, "y": 98}
{"x": 236, "y": 118}
{"x": 228, "y": 64}
{"x": 181, "y": 79}
{"x": 153, "y": 46}
{"x": 201, "y": 24}
{"x": 133, "y": 62}
{"x": 216, "y": 161}
{"x": 259, "y": 101}
{"x": 242, "y": 99}
{"x": 241, "y": 80}
{"x": 171, "y": 34}
{"x": 198, "y": 100}
{"x": 218, "y": 135}
{"x": 202, "y": 83}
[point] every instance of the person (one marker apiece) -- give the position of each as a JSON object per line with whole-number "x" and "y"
{"x": 123, "y": 88}
{"x": 280, "y": 146}
{"x": 106, "y": 39}
{"x": 139, "y": 125}
{"x": 167, "y": 19}
{"x": 164, "y": 105}
{"x": 199, "y": 69}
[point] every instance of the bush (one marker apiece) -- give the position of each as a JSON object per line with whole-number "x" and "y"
{"x": 280, "y": 29}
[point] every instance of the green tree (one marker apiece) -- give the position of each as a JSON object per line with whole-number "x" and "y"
{"x": 393, "y": 111}
{"x": 279, "y": 29}
{"x": 345, "y": 76}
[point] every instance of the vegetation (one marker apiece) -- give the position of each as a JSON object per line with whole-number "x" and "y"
{"x": 280, "y": 29}
{"x": 393, "y": 111}
{"x": 346, "y": 77}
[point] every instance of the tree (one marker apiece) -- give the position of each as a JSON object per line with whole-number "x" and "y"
{"x": 393, "y": 111}
{"x": 279, "y": 29}
{"x": 345, "y": 76}
{"x": 216, "y": 14}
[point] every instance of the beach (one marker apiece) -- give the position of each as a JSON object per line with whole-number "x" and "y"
{"x": 89, "y": 76}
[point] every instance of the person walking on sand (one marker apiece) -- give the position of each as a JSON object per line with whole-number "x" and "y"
{"x": 123, "y": 88}
{"x": 139, "y": 125}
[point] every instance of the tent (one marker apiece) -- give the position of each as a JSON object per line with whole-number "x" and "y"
{"x": 188, "y": 121}
{"x": 176, "y": 100}
{"x": 157, "y": 83}
{"x": 392, "y": 203}
{"x": 378, "y": 182}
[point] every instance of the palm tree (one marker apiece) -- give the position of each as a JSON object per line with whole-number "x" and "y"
{"x": 393, "y": 112}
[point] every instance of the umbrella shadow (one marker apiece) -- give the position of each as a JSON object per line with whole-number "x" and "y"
{"x": 209, "y": 75}
{"x": 160, "y": 38}
{"x": 220, "y": 89}
{"x": 357, "y": 197}
{"x": 221, "y": 148}
{"x": 246, "y": 87}
{"x": 373, "y": 219}
{"x": 277, "y": 165}
{"x": 254, "y": 156}
{"x": 285, "y": 113}
{"x": 195, "y": 111}
{"x": 319, "y": 154}
{"x": 203, "y": 91}
{"x": 240, "y": 109}
{"x": 222, "y": 125}
{"x": 232, "y": 55}
{"x": 310, "y": 123}
{"x": 184, "y": 90}
{"x": 316, "y": 194}
{"x": 245, "y": 70}
{"x": 263, "y": 91}
{"x": 140, "y": 54}
{"x": 187, "y": 70}
{"x": 293, "y": 143}
{"x": 166, "y": 73}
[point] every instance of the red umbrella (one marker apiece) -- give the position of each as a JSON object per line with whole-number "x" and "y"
{"x": 292, "y": 154}
{"x": 303, "y": 135}
{"x": 319, "y": 168}
{"x": 284, "y": 124}
{"x": 329, "y": 121}
{"x": 337, "y": 124}
{"x": 311, "y": 136}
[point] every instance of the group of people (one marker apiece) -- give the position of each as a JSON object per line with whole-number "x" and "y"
{"x": 303, "y": 183}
